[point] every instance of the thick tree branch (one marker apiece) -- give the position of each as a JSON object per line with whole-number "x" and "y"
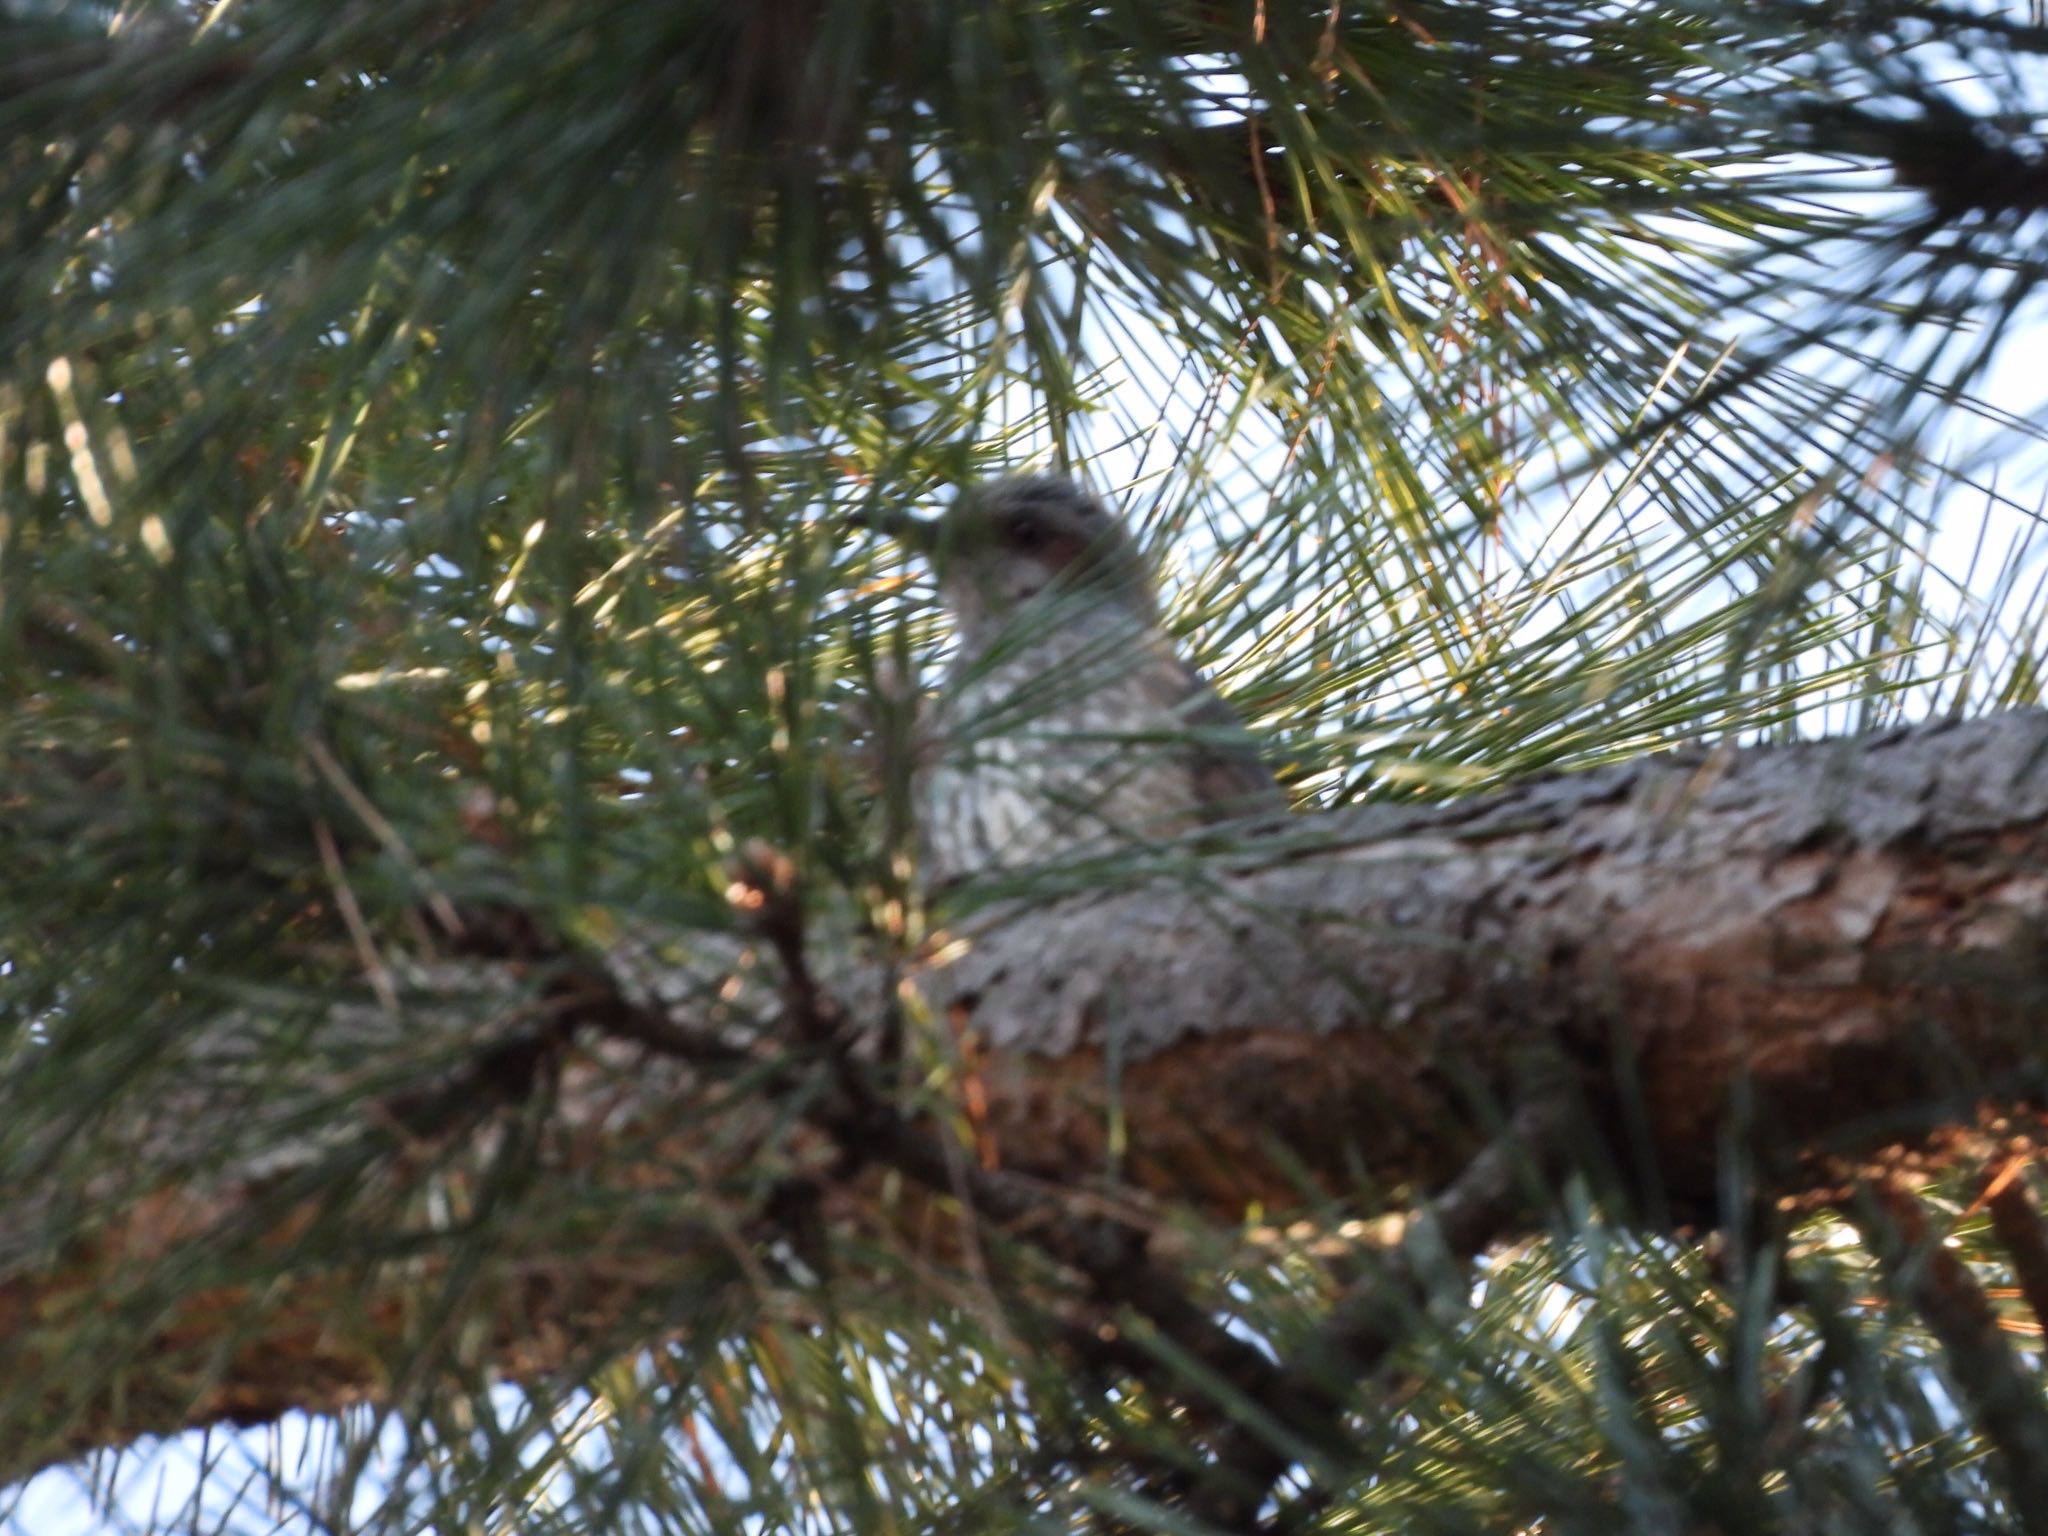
{"x": 1827, "y": 949}
{"x": 1848, "y": 936}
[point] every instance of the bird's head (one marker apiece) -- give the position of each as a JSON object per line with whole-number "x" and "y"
{"x": 1006, "y": 543}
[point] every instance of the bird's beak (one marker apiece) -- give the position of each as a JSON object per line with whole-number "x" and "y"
{"x": 915, "y": 533}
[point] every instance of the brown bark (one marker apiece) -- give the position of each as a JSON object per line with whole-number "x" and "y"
{"x": 1828, "y": 949}
{"x": 1850, "y": 934}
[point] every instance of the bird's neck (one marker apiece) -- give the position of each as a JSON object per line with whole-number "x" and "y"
{"x": 1058, "y": 622}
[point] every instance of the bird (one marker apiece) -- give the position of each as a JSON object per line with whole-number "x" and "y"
{"x": 1068, "y": 723}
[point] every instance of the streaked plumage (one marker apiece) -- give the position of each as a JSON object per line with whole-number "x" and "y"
{"x": 1067, "y": 721}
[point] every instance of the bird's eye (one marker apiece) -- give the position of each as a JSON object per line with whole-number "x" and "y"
{"x": 1025, "y": 533}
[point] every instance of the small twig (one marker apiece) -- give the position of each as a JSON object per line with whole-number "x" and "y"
{"x": 1293, "y": 1404}
{"x": 1315, "y": 1387}
{"x": 352, "y": 917}
{"x": 764, "y": 887}
{"x": 366, "y": 812}
{"x": 2005, "y": 1398}
{"x": 575, "y": 998}
{"x": 2018, "y": 1224}
{"x": 501, "y": 1073}
{"x": 1109, "y": 1251}
{"x": 49, "y": 618}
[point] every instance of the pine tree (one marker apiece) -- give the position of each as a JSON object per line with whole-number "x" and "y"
{"x": 475, "y": 1040}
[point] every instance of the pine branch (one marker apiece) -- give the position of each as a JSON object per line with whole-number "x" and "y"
{"x": 2017, "y": 1221}
{"x": 1492, "y": 1196}
{"x": 1777, "y": 919}
{"x": 2004, "y": 1397}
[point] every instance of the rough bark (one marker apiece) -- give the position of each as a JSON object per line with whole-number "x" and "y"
{"x": 1848, "y": 936}
{"x": 1826, "y": 950}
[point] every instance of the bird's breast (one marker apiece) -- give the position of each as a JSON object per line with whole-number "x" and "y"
{"x": 1058, "y": 749}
